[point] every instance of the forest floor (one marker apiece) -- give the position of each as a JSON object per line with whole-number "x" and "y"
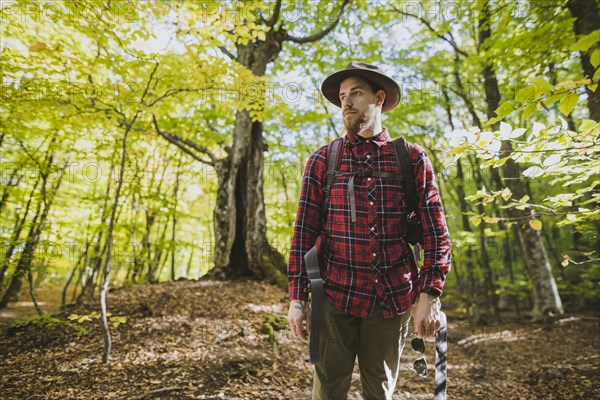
{"x": 210, "y": 340}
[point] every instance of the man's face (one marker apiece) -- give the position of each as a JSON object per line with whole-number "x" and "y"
{"x": 360, "y": 106}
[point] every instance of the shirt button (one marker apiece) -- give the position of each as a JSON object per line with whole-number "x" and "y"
{"x": 371, "y": 203}
{"x": 368, "y": 156}
{"x": 376, "y": 280}
{"x": 372, "y": 228}
{"x": 369, "y": 179}
{"x": 374, "y": 254}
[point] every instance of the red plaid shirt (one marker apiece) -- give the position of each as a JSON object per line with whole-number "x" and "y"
{"x": 369, "y": 260}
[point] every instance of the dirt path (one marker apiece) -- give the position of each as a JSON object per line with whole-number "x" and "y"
{"x": 48, "y": 299}
{"x": 210, "y": 340}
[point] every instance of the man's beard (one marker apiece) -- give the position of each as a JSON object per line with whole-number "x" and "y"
{"x": 360, "y": 122}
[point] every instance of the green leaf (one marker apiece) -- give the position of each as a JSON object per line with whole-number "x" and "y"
{"x": 586, "y": 41}
{"x": 554, "y": 98}
{"x": 530, "y": 109}
{"x": 493, "y": 121}
{"x": 505, "y": 109}
{"x": 587, "y": 125}
{"x": 491, "y": 220}
{"x": 595, "y": 58}
{"x": 118, "y": 320}
{"x": 73, "y": 317}
{"x": 501, "y": 162}
{"x": 541, "y": 86}
{"x": 526, "y": 94}
{"x": 568, "y": 103}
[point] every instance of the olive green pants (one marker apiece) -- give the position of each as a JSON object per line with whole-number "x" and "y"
{"x": 377, "y": 342}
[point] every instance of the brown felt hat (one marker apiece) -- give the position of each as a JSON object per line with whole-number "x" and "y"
{"x": 331, "y": 85}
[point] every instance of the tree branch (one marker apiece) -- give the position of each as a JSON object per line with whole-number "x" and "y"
{"x": 450, "y": 41}
{"x": 149, "y": 81}
{"x": 322, "y": 103}
{"x": 160, "y": 391}
{"x": 319, "y": 35}
{"x": 227, "y": 52}
{"x": 186, "y": 144}
{"x": 273, "y": 20}
{"x": 168, "y": 93}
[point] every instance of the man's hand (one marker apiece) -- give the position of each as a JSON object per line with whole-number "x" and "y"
{"x": 299, "y": 319}
{"x": 427, "y": 315}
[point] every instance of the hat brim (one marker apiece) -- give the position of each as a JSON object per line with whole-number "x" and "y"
{"x": 331, "y": 86}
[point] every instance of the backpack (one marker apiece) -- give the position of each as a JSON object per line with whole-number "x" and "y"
{"x": 414, "y": 230}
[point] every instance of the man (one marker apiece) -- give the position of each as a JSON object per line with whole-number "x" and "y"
{"x": 370, "y": 276}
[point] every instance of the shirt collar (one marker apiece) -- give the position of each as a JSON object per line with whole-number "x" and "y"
{"x": 380, "y": 139}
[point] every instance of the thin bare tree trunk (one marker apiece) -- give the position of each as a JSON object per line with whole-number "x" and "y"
{"x": 106, "y": 269}
{"x": 32, "y": 293}
{"x": 173, "y": 231}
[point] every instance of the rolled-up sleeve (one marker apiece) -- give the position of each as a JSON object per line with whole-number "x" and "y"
{"x": 437, "y": 246}
{"x": 308, "y": 223}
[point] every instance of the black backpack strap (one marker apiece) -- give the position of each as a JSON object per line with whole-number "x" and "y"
{"x": 406, "y": 170}
{"x": 363, "y": 174}
{"x": 334, "y": 152}
{"x": 414, "y": 227}
{"x": 312, "y": 260}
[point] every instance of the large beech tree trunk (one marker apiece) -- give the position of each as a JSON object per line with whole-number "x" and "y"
{"x": 241, "y": 245}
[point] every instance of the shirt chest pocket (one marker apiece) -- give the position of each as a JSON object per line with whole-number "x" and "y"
{"x": 392, "y": 205}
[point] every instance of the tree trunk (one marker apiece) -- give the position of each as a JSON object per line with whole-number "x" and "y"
{"x": 19, "y": 223}
{"x": 174, "y": 217}
{"x": 109, "y": 240}
{"x": 188, "y": 270}
{"x": 241, "y": 246}
{"x": 32, "y": 293}
{"x": 587, "y": 20}
{"x": 157, "y": 262}
{"x": 465, "y": 296}
{"x": 484, "y": 260}
{"x": 138, "y": 264}
{"x": 33, "y": 238}
{"x": 146, "y": 245}
{"x": 545, "y": 291}
{"x": 13, "y": 181}
{"x": 14, "y": 287}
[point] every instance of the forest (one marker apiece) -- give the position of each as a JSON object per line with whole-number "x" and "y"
{"x": 151, "y": 161}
